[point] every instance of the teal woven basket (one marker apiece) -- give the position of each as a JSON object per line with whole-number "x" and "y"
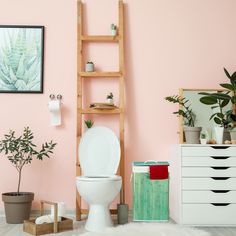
{"x": 150, "y": 197}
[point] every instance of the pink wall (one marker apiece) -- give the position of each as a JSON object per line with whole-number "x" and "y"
{"x": 169, "y": 44}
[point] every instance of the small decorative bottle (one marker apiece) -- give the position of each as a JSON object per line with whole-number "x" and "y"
{"x": 89, "y": 67}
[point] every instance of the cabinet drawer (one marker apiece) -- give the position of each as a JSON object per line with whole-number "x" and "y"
{"x": 208, "y": 161}
{"x": 209, "y": 151}
{"x": 209, "y": 171}
{"x": 208, "y": 214}
{"x": 208, "y": 184}
{"x": 216, "y": 196}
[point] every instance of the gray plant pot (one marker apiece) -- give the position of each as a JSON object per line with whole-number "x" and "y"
{"x": 233, "y": 134}
{"x": 227, "y": 135}
{"x": 192, "y": 134}
{"x": 17, "y": 207}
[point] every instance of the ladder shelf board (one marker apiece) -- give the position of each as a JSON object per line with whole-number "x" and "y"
{"x": 100, "y": 74}
{"x": 100, "y": 111}
{"x": 100, "y": 38}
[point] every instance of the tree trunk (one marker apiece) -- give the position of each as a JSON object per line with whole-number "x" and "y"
{"x": 19, "y": 181}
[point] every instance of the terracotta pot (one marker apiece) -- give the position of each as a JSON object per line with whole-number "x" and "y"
{"x": 17, "y": 207}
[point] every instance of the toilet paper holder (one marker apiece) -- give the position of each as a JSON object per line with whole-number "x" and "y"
{"x": 53, "y": 96}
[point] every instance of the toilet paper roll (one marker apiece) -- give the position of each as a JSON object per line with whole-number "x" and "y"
{"x": 61, "y": 206}
{"x": 46, "y": 219}
{"x": 55, "y": 110}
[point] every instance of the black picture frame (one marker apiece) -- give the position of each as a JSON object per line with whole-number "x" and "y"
{"x": 21, "y": 58}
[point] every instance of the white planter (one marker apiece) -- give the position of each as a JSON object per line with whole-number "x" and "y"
{"x": 89, "y": 67}
{"x": 219, "y": 132}
{"x": 113, "y": 32}
{"x": 203, "y": 141}
{"x": 110, "y": 100}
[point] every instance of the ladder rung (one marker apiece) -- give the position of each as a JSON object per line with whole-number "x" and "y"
{"x": 100, "y": 74}
{"x": 98, "y": 111}
{"x": 100, "y": 38}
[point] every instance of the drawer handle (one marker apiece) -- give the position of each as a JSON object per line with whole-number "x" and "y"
{"x": 220, "y": 204}
{"x": 220, "y": 191}
{"x": 220, "y": 147}
{"x": 220, "y": 178}
{"x": 220, "y": 157}
{"x": 220, "y": 168}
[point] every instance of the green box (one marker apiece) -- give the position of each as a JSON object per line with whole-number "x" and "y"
{"x": 150, "y": 197}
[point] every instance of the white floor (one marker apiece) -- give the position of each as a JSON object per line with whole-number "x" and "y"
{"x": 16, "y": 230}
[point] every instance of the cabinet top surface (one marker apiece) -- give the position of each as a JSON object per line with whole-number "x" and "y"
{"x": 207, "y": 145}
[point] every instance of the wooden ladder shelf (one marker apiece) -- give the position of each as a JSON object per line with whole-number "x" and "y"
{"x": 81, "y": 75}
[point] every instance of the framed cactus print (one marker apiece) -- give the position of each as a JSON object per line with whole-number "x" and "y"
{"x": 21, "y": 59}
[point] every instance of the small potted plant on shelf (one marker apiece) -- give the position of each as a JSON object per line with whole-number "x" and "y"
{"x": 223, "y": 119}
{"x": 113, "y": 29}
{"x": 88, "y": 123}
{"x": 110, "y": 98}
{"x": 20, "y": 151}
{"x": 89, "y": 67}
{"x": 203, "y": 138}
{"x": 192, "y": 133}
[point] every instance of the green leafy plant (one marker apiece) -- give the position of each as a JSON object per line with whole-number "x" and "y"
{"x": 218, "y": 101}
{"x": 186, "y": 112}
{"x": 232, "y": 88}
{"x": 203, "y": 136}
{"x": 21, "y": 150}
{"x": 110, "y": 96}
{"x": 20, "y": 61}
{"x": 89, "y": 123}
{"x": 113, "y": 27}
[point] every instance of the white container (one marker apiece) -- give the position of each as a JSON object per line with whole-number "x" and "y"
{"x": 110, "y": 100}
{"x": 203, "y": 141}
{"x": 89, "y": 67}
{"x": 219, "y": 132}
{"x": 113, "y": 32}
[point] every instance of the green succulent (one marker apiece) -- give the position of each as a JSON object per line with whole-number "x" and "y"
{"x": 20, "y": 61}
{"x": 88, "y": 123}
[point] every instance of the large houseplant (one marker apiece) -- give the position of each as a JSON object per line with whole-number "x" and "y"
{"x": 192, "y": 133}
{"x": 20, "y": 151}
{"x": 218, "y": 101}
{"x": 231, "y": 86}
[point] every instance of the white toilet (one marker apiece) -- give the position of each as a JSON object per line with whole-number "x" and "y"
{"x": 99, "y": 156}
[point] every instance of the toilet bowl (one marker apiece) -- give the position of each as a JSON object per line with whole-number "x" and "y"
{"x": 99, "y": 156}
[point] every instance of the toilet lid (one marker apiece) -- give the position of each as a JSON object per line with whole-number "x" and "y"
{"x": 99, "y": 152}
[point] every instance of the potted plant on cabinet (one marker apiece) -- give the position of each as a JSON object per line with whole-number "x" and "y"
{"x": 232, "y": 88}
{"x": 203, "y": 138}
{"x": 192, "y": 133}
{"x": 223, "y": 120}
{"x": 20, "y": 151}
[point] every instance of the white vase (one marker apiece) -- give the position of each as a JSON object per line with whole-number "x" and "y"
{"x": 219, "y": 132}
{"x": 203, "y": 141}
{"x": 113, "y": 32}
{"x": 110, "y": 100}
{"x": 89, "y": 67}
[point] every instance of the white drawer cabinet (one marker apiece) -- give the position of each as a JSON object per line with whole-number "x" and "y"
{"x": 203, "y": 185}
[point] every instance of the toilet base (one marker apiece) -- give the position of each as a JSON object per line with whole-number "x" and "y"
{"x": 99, "y": 218}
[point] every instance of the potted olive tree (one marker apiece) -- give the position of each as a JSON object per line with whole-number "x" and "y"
{"x": 20, "y": 151}
{"x": 192, "y": 133}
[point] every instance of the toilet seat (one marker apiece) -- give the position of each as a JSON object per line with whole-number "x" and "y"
{"x": 99, "y": 152}
{"x": 99, "y": 178}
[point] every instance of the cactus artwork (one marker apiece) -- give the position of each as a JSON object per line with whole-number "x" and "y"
{"x": 21, "y": 59}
